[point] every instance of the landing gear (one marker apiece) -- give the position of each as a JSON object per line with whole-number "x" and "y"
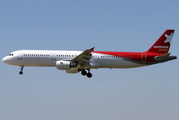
{"x": 88, "y": 74}
{"x": 83, "y": 72}
{"x": 21, "y": 72}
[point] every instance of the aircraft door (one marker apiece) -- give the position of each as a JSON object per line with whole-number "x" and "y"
{"x": 19, "y": 57}
{"x": 143, "y": 57}
{"x": 53, "y": 57}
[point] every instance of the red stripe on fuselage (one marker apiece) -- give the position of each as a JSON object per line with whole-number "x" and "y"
{"x": 136, "y": 56}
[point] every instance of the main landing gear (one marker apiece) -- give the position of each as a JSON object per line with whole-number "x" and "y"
{"x": 21, "y": 72}
{"x": 88, "y": 74}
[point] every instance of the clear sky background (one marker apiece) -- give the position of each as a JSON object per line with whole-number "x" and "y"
{"x": 146, "y": 93}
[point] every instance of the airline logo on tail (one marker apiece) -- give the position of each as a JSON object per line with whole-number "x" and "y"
{"x": 168, "y": 38}
{"x": 162, "y": 45}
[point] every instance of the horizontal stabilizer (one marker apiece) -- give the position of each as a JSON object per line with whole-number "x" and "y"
{"x": 162, "y": 56}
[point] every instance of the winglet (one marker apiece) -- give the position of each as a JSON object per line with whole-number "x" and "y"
{"x": 92, "y": 49}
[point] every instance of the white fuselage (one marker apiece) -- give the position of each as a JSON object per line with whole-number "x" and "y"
{"x": 48, "y": 58}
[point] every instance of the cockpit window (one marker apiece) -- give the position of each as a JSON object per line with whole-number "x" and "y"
{"x": 10, "y": 54}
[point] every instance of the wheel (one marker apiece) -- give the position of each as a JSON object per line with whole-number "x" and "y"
{"x": 83, "y": 72}
{"x": 89, "y": 75}
{"x": 20, "y": 72}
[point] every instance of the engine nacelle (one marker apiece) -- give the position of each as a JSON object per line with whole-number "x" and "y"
{"x": 65, "y": 65}
{"x": 72, "y": 70}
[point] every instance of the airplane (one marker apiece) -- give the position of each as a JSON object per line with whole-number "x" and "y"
{"x": 84, "y": 61}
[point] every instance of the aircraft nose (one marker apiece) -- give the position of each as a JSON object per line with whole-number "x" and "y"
{"x": 5, "y": 59}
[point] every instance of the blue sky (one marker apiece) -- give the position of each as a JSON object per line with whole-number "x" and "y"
{"x": 47, "y": 93}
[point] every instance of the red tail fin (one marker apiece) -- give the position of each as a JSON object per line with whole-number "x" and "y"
{"x": 162, "y": 45}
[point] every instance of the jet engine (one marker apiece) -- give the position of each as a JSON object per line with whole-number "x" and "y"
{"x": 65, "y": 65}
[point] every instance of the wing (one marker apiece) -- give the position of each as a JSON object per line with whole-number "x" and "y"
{"x": 83, "y": 59}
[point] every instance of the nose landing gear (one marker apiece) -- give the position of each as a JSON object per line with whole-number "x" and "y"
{"x": 21, "y": 71}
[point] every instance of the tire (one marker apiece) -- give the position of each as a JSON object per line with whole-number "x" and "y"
{"x": 20, "y": 72}
{"x": 89, "y": 75}
{"x": 83, "y": 72}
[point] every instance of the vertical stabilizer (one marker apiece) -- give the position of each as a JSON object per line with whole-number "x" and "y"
{"x": 162, "y": 45}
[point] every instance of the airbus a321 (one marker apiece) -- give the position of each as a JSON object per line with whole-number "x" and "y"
{"x": 84, "y": 61}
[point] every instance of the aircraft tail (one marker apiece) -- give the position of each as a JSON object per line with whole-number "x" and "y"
{"x": 162, "y": 45}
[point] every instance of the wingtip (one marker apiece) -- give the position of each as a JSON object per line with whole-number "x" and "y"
{"x": 92, "y": 49}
